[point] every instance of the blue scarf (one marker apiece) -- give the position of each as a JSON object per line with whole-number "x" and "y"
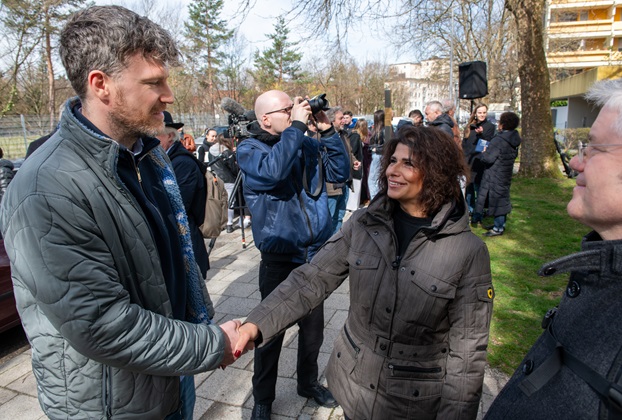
{"x": 196, "y": 310}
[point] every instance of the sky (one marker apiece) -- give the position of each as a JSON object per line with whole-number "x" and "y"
{"x": 364, "y": 44}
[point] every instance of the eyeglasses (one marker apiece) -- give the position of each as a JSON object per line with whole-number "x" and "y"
{"x": 287, "y": 110}
{"x": 584, "y": 146}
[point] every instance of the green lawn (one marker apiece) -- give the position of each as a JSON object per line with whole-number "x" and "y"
{"x": 537, "y": 230}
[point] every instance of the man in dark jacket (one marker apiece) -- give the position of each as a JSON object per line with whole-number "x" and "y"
{"x": 191, "y": 180}
{"x": 437, "y": 118}
{"x": 574, "y": 370}
{"x": 498, "y": 160}
{"x": 106, "y": 282}
{"x": 284, "y": 175}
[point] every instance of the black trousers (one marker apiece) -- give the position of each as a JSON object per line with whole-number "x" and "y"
{"x": 310, "y": 338}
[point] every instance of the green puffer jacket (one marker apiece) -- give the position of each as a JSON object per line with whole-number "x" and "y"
{"x": 89, "y": 287}
{"x": 414, "y": 343}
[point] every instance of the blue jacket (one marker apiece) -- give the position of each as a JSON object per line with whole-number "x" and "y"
{"x": 291, "y": 221}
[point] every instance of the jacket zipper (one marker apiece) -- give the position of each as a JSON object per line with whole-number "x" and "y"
{"x": 354, "y": 346}
{"x": 413, "y": 369}
{"x": 107, "y": 394}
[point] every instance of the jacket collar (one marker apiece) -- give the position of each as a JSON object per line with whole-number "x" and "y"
{"x": 452, "y": 219}
{"x": 88, "y": 137}
{"x": 597, "y": 255}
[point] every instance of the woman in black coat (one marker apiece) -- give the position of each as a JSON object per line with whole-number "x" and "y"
{"x": 478, "y": 129}
{"x": 498, "y": 159}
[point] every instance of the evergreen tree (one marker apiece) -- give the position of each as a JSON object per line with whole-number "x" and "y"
{"x": 280, "y": 63}
{"x": 207, "y": 33}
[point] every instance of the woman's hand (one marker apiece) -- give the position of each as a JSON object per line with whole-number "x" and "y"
{"x": 248, "y": 333}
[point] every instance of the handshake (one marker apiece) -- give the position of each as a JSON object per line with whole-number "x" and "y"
{"x": 238, "y": 340}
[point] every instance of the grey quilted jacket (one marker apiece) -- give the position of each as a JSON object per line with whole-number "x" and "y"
{"x": 89, "y": 288}
{"x": 414, "y": 342}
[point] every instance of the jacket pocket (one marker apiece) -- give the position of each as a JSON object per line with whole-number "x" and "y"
{"x": 363, "y": 278}
{"x": 423, "y": 300}
{"x": 346, "y": 352}
{"x": 414, "y": 382}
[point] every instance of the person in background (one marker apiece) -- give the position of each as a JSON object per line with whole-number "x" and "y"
{"x": 414, "y": 343}
{"x": 190, "y": 176}
{"x": 106, "y": 282}
{"x": 437, "y": 118}
{"x": 286, "y": 196}
{"x": 376, "y": 143}
{"x": 476, "y": 135}
{"x": 498, "y": 159}
{"x": 348, "y": 124}
{"x": 7, "y": 172}
{"x": 356, "y": 146}
{"x": 187, "y": 141}
{"x": 449, "y": 108}
{"x": 226, "y": 168}
{"x": 417, "y": 117}
{"x": 208, "y": 141}
{"x": 574, "y": 370}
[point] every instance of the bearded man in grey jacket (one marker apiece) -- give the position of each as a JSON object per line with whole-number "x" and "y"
{"x": 105, "y": 278}
{"x": 574, "y": 370}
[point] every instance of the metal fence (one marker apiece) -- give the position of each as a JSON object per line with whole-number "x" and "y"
{"x": 17, "y": 131}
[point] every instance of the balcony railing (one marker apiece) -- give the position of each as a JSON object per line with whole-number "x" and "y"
{"x": 580, "y": 4}
{"x": 579, "y": 59}
{"x": 584, "y": 29}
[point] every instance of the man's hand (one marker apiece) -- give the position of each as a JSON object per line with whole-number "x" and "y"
{"x": 323, "y": 123}
{"x": 301, "y": 111}
{"x": 248, "y": 333}
{"x": 231, "y": 330}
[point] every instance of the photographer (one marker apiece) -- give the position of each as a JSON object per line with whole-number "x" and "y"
{"x": 284, "y": 187}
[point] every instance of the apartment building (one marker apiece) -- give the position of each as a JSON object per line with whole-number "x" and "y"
{"x": 584, "y": 39}
{"x": 415, "y": 84}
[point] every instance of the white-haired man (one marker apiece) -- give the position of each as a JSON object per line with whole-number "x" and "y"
{"x": 574, "y": 370}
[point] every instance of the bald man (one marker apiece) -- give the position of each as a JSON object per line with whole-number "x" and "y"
{"x": 284, "y": 186}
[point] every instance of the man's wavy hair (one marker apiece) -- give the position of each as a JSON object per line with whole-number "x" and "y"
{"x": 105, "y": 38}
{"x": 439, "y": 159}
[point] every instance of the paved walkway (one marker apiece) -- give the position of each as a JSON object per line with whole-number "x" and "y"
{"x": 226, "y": 394}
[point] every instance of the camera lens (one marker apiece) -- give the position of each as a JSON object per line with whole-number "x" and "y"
{"x": 319, "y": 103}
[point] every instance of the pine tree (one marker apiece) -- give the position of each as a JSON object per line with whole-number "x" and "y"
{"x": 279, "y": 64}
{"x": 207, "y": 33}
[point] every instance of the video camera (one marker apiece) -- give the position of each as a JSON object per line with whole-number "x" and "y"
{"x": 238, "y": 119}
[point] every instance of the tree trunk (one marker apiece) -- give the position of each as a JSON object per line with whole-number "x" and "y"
{"x": 538, "y": 154}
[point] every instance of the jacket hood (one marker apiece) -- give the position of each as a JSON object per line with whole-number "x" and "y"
{"x": 442, "y": 119}
{"x": 452, "y": 218}
{"x": 512, "y": 137}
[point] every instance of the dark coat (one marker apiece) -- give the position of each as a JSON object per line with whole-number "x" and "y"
{"x": 357, "y": 151}
{"x": 444, "y": 123}
{"x": 225, "y": 168}
{"x": 414, "y": 343}
{"x": 6, "y": 175}
{"x": 468, "y": 148}
{"x": 587, "y": 326}
{"x": 191, "y": 180}
{"x": 498, "y": 160}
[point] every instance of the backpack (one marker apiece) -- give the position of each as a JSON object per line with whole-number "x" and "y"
{"x": 216, "y": 202}
{"x": 215, "y": 206}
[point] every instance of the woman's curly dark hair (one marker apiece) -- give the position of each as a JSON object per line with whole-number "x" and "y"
{"x": 440, "y": 160}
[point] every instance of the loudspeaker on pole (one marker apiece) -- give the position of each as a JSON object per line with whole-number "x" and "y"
{"x": 472, "y": 80}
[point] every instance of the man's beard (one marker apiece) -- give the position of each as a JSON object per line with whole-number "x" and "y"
{"x": 130, "y": 125}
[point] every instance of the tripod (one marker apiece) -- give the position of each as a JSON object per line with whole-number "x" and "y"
{"x": 237, "y": 192}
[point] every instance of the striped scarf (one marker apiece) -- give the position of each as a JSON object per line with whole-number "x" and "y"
{"x": 196, "y": 310}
